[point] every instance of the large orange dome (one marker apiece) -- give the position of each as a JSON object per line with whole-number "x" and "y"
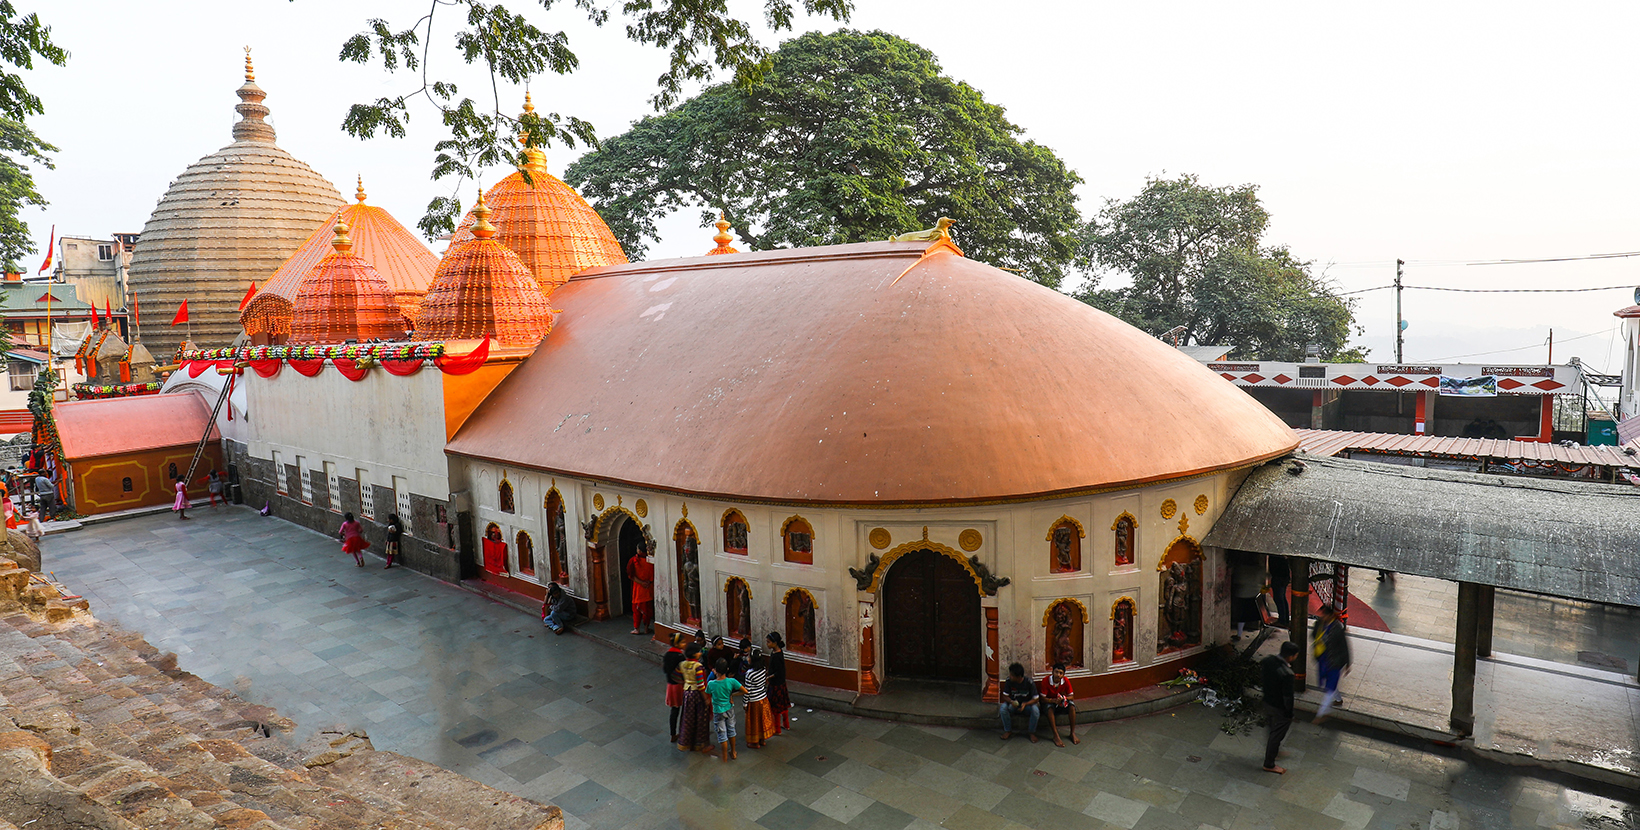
{"x": 484, "y": 289}
{"x": 811, "y": 376}
{"x": 344, "y": 298}
{"x": 378, "y": 238}
{"x": 547, "y": 224}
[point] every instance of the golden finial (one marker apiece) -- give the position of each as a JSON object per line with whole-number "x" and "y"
{"x": 528, "y": 106}
{"x": 342, "y": 243}
{"x": 723, "y": 238}
{"x": 359, "y": 193}
{"x": 250, "y": 71}
{"x": 482, "y": 229}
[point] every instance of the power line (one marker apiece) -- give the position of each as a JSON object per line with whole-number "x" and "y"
{"x": 1515, "y": 290}
{"x": 1538, "y": 344}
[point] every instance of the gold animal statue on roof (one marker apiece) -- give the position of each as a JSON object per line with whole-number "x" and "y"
{"x": 941, "y": 230}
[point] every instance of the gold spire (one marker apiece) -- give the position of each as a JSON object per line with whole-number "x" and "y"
{"x": 535, "y": 159}
{"x": 359, "y": 193}
{"x": 342, "y": 243}
{"x": 482, "y": 229}
{"x": 723, "y": 238}
{"x": 251, "y": 126}
{"x": 250, "y": 71}
{"x": 528, "y": 107}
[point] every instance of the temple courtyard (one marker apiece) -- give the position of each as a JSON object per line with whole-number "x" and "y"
{"x": 278, "y": 614}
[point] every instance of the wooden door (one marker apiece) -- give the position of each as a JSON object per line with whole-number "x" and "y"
{"x": 931, "y": 619}
{"x": 630, "y": 542}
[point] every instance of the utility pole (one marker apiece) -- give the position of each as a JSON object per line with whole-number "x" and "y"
{"x": 1399, "y": 323}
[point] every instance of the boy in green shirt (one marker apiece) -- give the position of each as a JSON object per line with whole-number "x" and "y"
{"x": 722, "y": 691}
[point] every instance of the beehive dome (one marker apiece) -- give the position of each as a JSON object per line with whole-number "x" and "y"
{"x": 483, "y": 288}
{"x": 230, "y": 219}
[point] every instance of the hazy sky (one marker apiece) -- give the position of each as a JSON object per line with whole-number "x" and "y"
{"x": 1441, "y": 134}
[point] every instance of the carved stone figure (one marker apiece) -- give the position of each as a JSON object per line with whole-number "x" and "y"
{"x": 988, "y": 583}
{"x": 561, "y": 544}
{"x": 862, "y": 576}
{"x": 1124, "y": 542}
{"x": 1175, "y": 605}
{"x": 1122, "y": 634}
{"x": 807, "y": 613}
{"x": 743, "y": 602}
{"x": 590, "y": 529}
{"x": 1063, "y": 620}
{"x": 1062, "y": 547}
{"x": 691, "y": 588}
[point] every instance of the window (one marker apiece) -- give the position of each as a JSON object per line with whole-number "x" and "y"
{"x": 305, "y": 485}
{"x": 1121, "y": 631}
{"x": 735, "y": 531}
{"x": 1126, "y": 538}
{"x": 737, "y": 606}
{"x": 687, "y": 544}
{"x": 367, "y": 496}
{"x": 557, "y": 538}
{"x": 504, "y": 496}
{"x": 1065, "y": 546}
{"x": 125, "y": 484}
{"x": 798, "y": 539}
{"x": 105, "y": 252}
{"x": 333, "y": 495}
{"x": 22, "y": 376}
{"x": 401, "y": 499}
{"x": 800, "y": 621}
{"x": 171, "y": 471}
{"x": 278, "y": 474}
{"x": 1064, "y": 623}
{"x": 526, "y": 553}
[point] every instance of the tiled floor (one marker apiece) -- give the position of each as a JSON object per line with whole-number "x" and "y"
{"x": 279, "y": 614}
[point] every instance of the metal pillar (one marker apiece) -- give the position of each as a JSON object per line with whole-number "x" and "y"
{"x": 1298, "y": 617}
{"x": 1463, "y": 660}
{"x": 1483, "y": 622}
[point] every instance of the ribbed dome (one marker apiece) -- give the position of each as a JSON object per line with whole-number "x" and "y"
{"x": 483, "y": 288}
{"x": 378, "y": 238}
{"x": 231, "y": 218}
{"x": 547, "y": 224}
{"x": 344, "y": 298}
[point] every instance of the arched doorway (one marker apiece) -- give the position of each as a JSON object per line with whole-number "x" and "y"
{"x": 628, "y": 544}
{"x": 931, "y": 619}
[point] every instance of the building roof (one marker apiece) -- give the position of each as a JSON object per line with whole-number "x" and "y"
{"x": 397, "y": 255}
{"x": 232, "y": 218}
{"x": 483, "y": 289}
{"x": 1568, "y": 539}
{"x": 344, "y": 298}
{"x": 1560, "y": 379}
{"x": 1332, "y": 442}
{"x": 107, "y": 426}
{"x": 28, "y": 299}
{"x": 30, "y": 355}
{"x": 811, "y": 376}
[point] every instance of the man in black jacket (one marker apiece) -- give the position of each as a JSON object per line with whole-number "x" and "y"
{"x": 1278, "y": 702}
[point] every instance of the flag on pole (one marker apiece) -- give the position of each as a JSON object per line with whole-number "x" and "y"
{"x": 96, "y": 322}
{"x": 51, "y": 249}
{"x": 182, "y": 314}
{"x": 136, "y": 310}
{"x": 108, "y": 310}
{"x": 249, "y": 293}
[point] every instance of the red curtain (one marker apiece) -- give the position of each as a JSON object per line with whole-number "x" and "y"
{"x": 266, "y": 368}
{"x": 402, "y": 368}
{"x": 198, "y": 367}
{"x": 308, "y": 368}
{"x": 467, "y": 363}
{"x": 495, "y": 555}
{"x": 350, "y": 369}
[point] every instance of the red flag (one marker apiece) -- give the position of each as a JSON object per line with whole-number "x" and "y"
{"x": 136, "y": 310}
{"x": 108, "y": 310}
{"x": 96, "y": 322}
{"x": 249, "y": 293}
{"x": 51, "y": 248}
{"x": 182, "y": 314}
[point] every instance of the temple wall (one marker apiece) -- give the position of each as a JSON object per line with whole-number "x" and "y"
{"x": 1013, "y": 542}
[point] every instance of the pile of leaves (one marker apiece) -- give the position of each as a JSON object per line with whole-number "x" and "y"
{"x": 1229, "y": 675}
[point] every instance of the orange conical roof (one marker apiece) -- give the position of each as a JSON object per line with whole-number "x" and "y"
{"x": 723, "y": 238}
{"x": 378, "y": 238}
{"x": 482, "y": 288}
{"x": 546, "y": 223}
{"x": 344, "y": 298}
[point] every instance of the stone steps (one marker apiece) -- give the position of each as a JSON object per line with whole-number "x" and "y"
{"x": 99, "y": 730}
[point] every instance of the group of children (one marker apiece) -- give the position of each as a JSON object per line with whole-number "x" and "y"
{"x": 701, "y": 686}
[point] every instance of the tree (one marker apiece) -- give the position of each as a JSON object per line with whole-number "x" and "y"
{"x": 1196, "y": 259}
{"x": 849, "y": 137}
{"x": 21, "y": 39}
{"x": 700, "y": 36}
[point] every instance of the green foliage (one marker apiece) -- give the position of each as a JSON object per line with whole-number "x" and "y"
{"x": 21, "y": 39}
{"x": 1229, "y": 674}
{"x": 848, "y": 137}
{"x": 1196, "y": 258}
{"x": 700, "y": 37}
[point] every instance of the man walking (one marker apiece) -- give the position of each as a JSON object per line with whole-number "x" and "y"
{"x": 1332, "y": 658}
{"x": 1278, "y": 702}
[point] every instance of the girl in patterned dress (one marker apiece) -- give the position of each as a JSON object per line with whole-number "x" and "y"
{"x": 780, "y": 701}
{"x": 759, "y": 718}
{"x": 695, "y": 719}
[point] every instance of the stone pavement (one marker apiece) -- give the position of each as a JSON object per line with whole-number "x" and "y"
{"x": 279, "y": 614}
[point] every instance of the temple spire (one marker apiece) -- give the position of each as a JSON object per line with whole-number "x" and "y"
{"x": 482, "y": 229}
{"x": 342, "y": 243}
{"x": 359, "y": 193}
{"x": 723, "y": 238}
{"x": 535, "y": 159}
{"x": 251, "y": 126}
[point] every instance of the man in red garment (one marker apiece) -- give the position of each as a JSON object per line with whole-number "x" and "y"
{"x": 641, "y": 570}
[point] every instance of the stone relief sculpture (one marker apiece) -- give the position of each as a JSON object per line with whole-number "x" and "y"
{"x": 862, "y": 576}
{"x": 1175, "y": 606}
{"x": 1063, "y": 621}
{"x": 691, "y": 577}
{"x": 1062, "y": 547}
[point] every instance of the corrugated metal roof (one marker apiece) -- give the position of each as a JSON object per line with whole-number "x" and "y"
{"x": 1569, "y": 539}
{"x": 1334, "y": 442}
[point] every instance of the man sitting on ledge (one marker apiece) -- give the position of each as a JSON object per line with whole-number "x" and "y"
{"x": 1019, "y": 697}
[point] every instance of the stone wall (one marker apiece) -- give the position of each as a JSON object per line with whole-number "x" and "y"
{"x": 427, "y": 545}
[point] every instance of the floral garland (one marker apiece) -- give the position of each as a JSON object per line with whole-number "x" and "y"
{"x": 85, "y": 391}
{"x": 350, "y": 351}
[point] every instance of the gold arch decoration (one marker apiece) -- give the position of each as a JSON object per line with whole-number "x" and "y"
{"x": 1047, "y": 613}
{"x": 733, "y": 579}
{"x": 598, "y": 530}
{"x": 1130, "y": 517}
{"x": 922, "y": 544}
{"x": 1184, "y": 524}
{"x": 692, "y": 529}
{"x": 1118, "y": 603}
{"x": 641, "y": 507}
{"x": 1201, "y": 504}
{"x": 685, "y": 506}
{"x": 733, "y": 511}
{"x": 795, "y": 518}
{"x": 618, "y": 498}
{"x": 1169, "y": 508}
{"x": 1080, "y": 532}
{"x": 880, "y": 537}
{"x": 597, "y": 501}
{"x": 547, "y": 499}
{"x": 788, "y": 595}
{"x": 970, "y": 540}
{"x": 1161, "y": 564}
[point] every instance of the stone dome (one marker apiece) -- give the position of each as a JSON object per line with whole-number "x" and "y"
{"x": 229, "y": 220}
{"x": 484, "y": 289}
{"x": 344, "y": 298}
{"x": 546, "y": 223}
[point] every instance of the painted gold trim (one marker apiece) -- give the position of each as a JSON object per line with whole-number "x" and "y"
{"x": 547, "y": 499}
{"x": 1047, "y": 613}
{"x": 1202, "y": 504}
{"x": 641, "y": 507}
{"x": 692, "y": 528}
{"x": 1080, "y": 532}
{"x": 880, "y": 537}
{"x": 1161, "y": 564}
{"x": 796, "y": 518}
{"x": 1169, "y": 508}
{"x": 970, "y": 540}
{"x": 1130, "y": 600}
{"x": 788, "y": 595}
{"x": 598, "y": 529}
{"x": 1130, "y": 517}
{"x": 922, "y": 544}
{"x": 598, "y": 501}
{"x": 733, "y": 579}
{"x": 735, "y": 511}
